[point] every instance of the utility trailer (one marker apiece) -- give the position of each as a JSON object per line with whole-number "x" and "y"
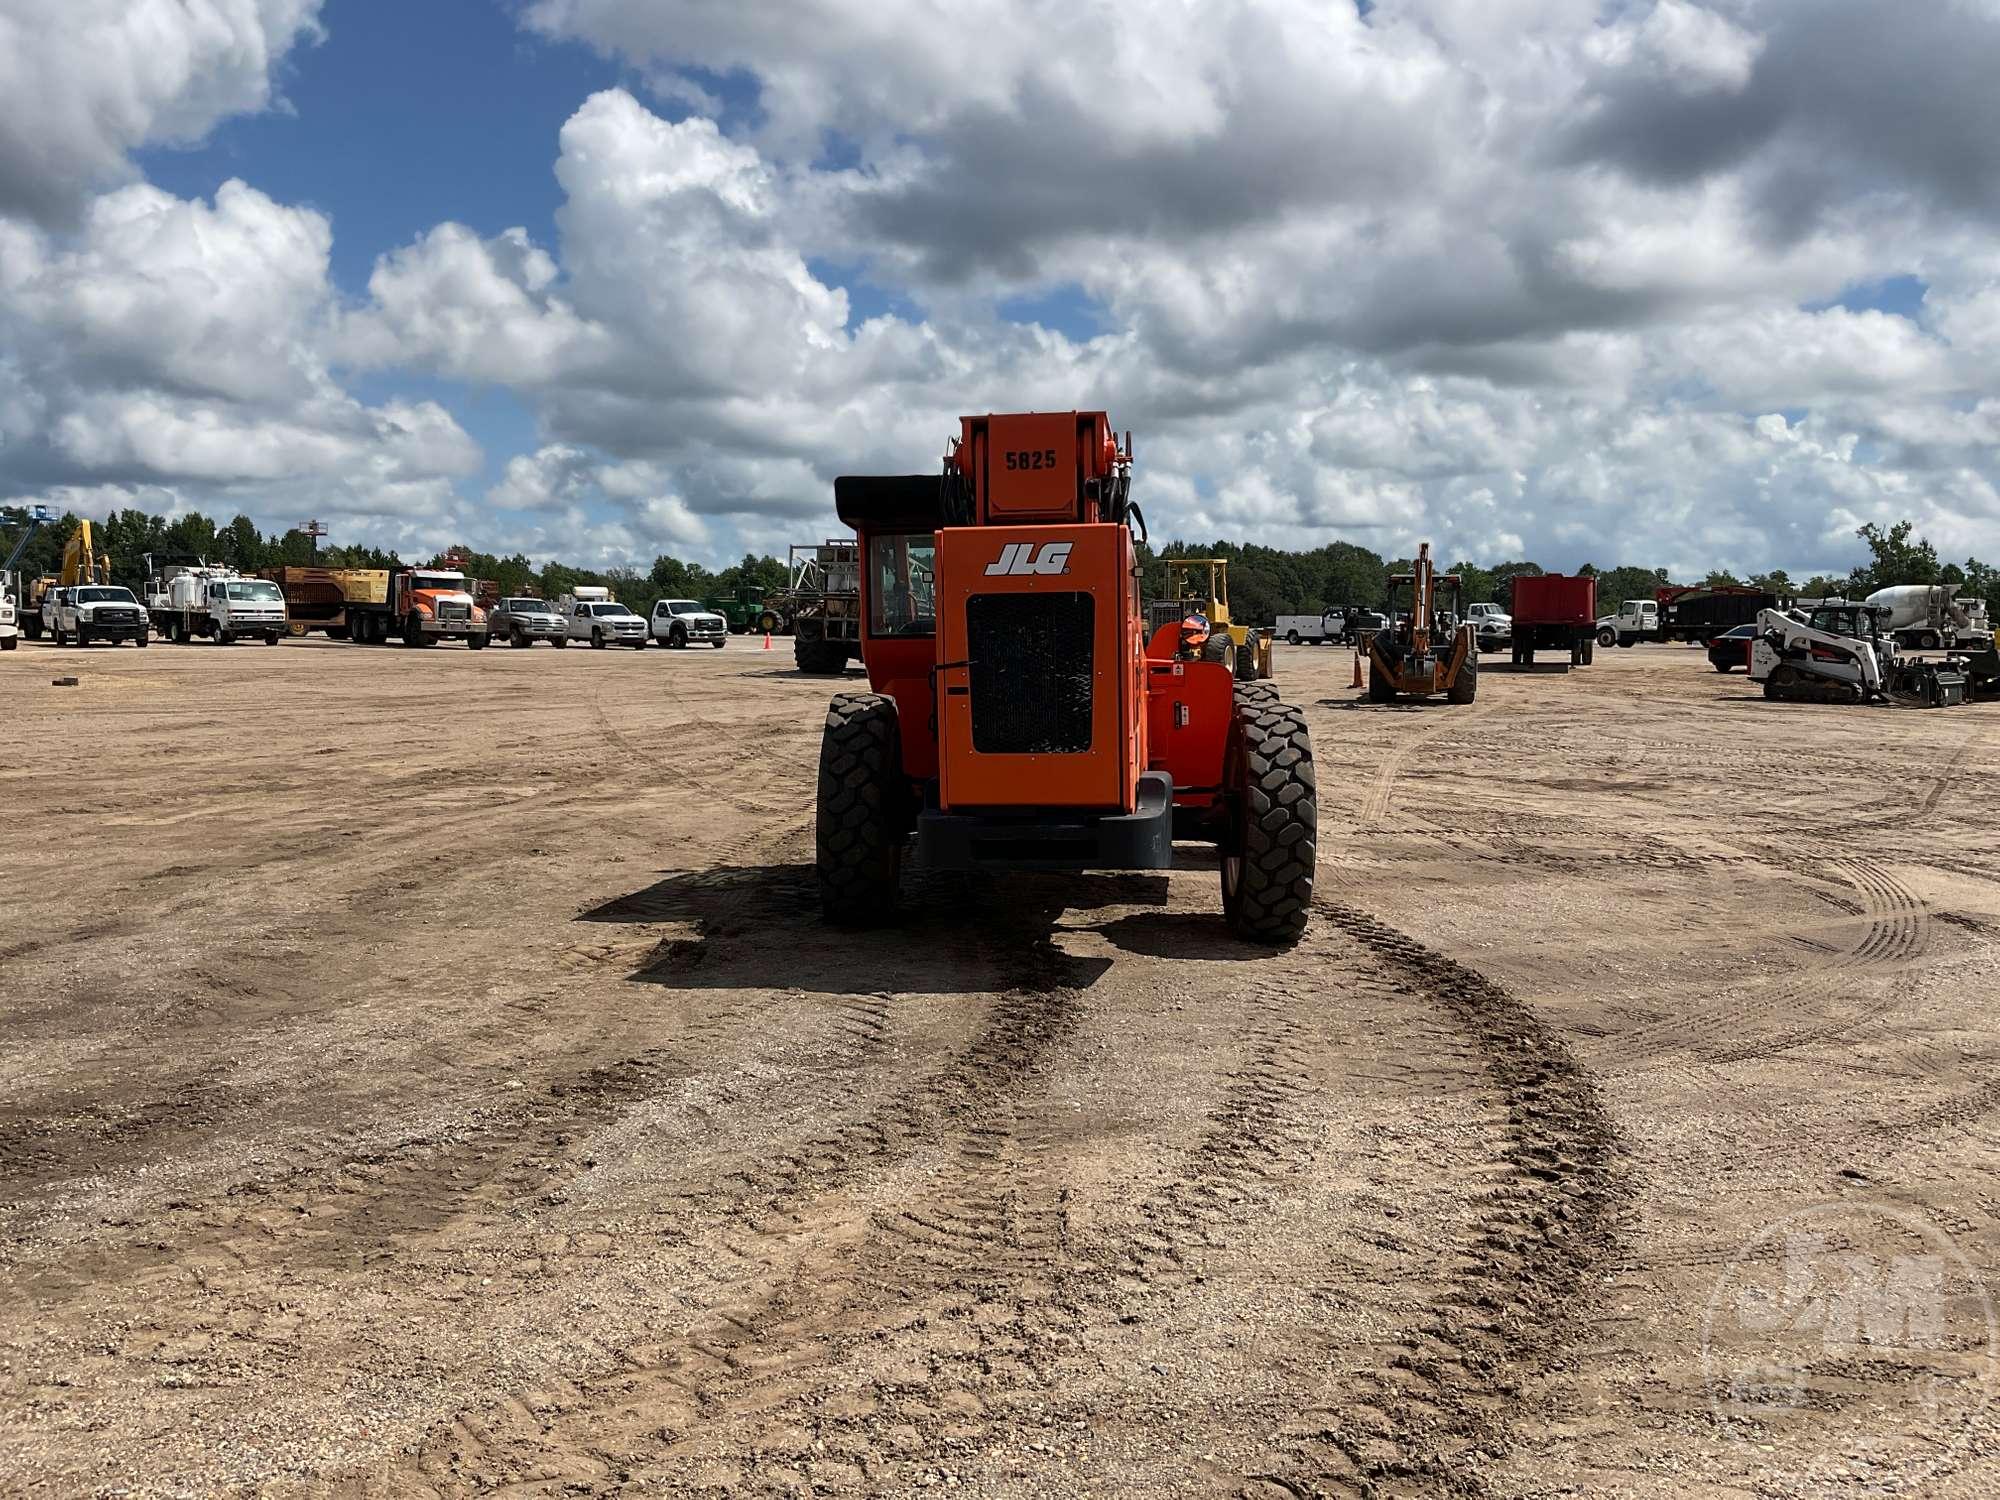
{"x": 1554, "y": 612}
{"x": 824, "y": 601}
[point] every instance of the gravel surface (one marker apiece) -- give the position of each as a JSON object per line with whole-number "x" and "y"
{"x": 426, "y": 1074}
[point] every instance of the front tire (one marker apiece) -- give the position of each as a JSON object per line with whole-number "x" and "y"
{"x": 140, "y": 640}
{"x": 271, "y": 638}
{"x": 862, "y": 815}
{"x": 597, "y": 640}
{"x": 677, "y": 638}
{"x": 475, "y": 643}
{"x": 720, "y": 641}
{"x": 561, "y": 642}
{"x": 1607, "y": 638}
{"x": 1270, "y": 851}
{"x": 1291, "y": 637}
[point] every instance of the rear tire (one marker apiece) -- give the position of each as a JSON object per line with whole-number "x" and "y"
{"x": 1220, "y": 648}
{"x": 1268, "y": 861}
{"x": 1381, "y": 686}
{"x": 1589, "y": 649}
{"x": 819, "y": 657}
{"x": 862, "y": 815}
{"x": 1465, "y": 686}
{"x": 1256, "y": 694}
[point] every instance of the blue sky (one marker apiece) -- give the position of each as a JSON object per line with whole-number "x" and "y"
{"x": 407, "y": 115}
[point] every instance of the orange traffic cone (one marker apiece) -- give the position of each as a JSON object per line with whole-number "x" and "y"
{"x": 1357, "y": 669}
{"x": 767, "y": 640}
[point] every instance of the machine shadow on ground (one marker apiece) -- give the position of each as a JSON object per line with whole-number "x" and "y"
{"x": 759, "y": 927}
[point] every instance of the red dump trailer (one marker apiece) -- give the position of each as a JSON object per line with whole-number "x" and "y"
{"x": 1555, "y": 612}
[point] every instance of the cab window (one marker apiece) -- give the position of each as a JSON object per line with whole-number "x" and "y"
{"x": 902, "y": 590}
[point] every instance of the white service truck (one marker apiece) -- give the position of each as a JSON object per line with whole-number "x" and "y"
{"x": 10, "y": 628}
{"x": 1317, "y": 629}
{"x": 189, "y": 599}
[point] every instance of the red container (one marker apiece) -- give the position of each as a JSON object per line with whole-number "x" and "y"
{"x": 1554, "y": 599}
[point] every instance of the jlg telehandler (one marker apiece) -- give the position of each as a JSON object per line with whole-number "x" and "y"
{"x": 1019, "y": 716}
{"x": 1427, "y": 647}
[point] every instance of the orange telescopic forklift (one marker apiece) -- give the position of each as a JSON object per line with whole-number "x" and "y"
{"x": 1019, "y": 716}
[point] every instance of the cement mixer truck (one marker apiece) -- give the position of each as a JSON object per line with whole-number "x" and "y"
{"x": 1928, "y": 617}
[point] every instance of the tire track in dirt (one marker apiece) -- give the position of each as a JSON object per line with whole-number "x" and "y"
{"x": 1375, "y": 806}
{"x": 1767, "y": 1019}
{"x": 1441, "y": 1394}
{"x": 736, "y": 1366}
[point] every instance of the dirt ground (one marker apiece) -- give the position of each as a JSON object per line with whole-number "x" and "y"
{"x": 427, "y": 1074}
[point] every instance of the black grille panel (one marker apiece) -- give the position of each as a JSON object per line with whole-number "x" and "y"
{"x": 1030, "y": 665}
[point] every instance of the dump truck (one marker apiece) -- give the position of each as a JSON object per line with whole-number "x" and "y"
{"x": 1018, "y": 717}
{"x": 1554, "y": 612}
{"x": 1425, "y": 649}
{"x": 1699, "y": 612}
{"x": 420, "y": 607}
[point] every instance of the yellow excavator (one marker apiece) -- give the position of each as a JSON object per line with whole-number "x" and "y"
{"x": 1203, "y": 583}
{"x": 82, "y": 562}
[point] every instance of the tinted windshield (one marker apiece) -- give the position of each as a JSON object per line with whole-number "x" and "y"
{"x": 685, "y": 607}
{"x": 529, "y": 606}
{"x": 437, "y": 584}
{"x": 105, "y": 596}
{"x": 609, "y": 609}
{"x": 264, "y": 592}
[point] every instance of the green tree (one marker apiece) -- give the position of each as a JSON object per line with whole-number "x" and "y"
{"x": 1721, "y": 578}
{"x": 1894, "y": 558}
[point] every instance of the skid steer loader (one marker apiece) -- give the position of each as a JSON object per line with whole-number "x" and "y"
{"x": 1836, "y": 652}
{"x": 1425, "y": 649}
{"x": 1020, "y": 717}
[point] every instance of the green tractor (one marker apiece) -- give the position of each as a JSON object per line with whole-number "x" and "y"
{"x": 749, "y": 612}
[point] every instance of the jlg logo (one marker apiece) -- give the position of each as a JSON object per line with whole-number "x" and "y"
{"x": 1020, "y": 560}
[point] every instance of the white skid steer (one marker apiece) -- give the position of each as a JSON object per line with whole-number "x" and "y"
{"x": 1836, "y": 652}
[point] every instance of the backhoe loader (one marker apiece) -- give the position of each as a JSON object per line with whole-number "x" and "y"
{"x": 1426, "y": 648}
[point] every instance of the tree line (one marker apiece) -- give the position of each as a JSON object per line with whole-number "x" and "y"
{"x": 1264, "y": 582}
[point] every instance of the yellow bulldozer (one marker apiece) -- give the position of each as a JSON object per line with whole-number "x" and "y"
{"x": 1203, "y": 583}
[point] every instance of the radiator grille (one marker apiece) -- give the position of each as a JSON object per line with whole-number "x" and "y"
{"x": 1030, "y": 670}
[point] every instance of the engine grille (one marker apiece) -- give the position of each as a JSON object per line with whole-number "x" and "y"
{"x": 1030, "y": 669}
{"x": 448, "y": 610}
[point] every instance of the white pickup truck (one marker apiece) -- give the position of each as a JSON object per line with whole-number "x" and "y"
{"x": 683, "y": 622}
{"x": 10, "y": 609}
{"x": 605, "y": 622}
{"x": 99, "y": 612}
